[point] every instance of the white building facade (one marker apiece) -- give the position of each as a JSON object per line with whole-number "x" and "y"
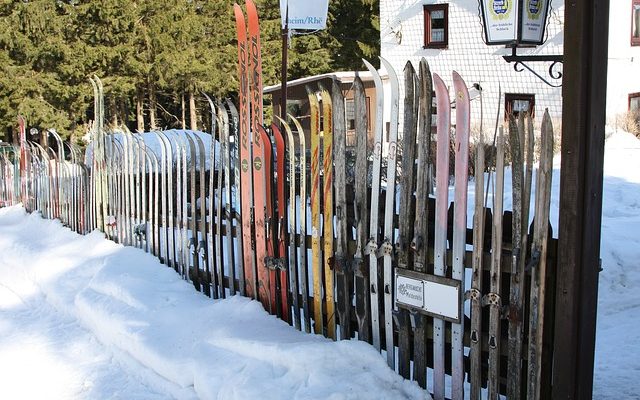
{"x": 449, "y": 35}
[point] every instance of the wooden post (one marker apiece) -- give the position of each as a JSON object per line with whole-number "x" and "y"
{"x": 581, "y": 176}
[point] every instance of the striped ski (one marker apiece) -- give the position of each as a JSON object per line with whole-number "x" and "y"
{"x": 327, "y": 210}
{"x": 316, "y": 261}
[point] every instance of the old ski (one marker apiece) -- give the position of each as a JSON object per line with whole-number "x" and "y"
{"x": 419, "y": 244}
{"x": 493, "y": 298}
{"x": 372, "y": 245}
{"x": 440, "y": 239}
{"x": 327, "y": 210}
{"x": 342, "y": 269}
{"x": 316, "y": 260}
{"x": 361, "y": 212}
{"x": 389, "y": 213}
{"x": 246, "y": 186}
{"x": 406, "y": 208}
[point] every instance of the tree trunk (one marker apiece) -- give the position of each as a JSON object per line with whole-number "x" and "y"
{"x": 184, "y": 111}
{"x": 44, "y": 138}
{"x": 113, "y": 109}
{"x": 140, "y": 110}
{"x": 192, "y": 111}
{"x": 152, "y": 108}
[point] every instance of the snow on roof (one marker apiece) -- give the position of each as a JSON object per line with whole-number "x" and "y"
{"x": 175, "y": 137}
{"x": 342, "y": 76}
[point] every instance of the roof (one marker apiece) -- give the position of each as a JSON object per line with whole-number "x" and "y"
{"x": 342, "y": 76}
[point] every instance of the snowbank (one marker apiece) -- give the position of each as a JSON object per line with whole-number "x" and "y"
{"x": 227, "y": 349}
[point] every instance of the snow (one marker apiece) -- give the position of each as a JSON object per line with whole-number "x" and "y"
{"x": 91, "y": 319}
{"x": 99, "y": 320}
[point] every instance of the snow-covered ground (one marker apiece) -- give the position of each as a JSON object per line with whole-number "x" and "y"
{"x": 82, "y": 317}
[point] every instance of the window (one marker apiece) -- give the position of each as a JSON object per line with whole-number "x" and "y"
{"x": 436, "y": 26}
{"x": 634, "y": 102}
{"x": 515, "y": 103}
{"x": 635, "y": 23}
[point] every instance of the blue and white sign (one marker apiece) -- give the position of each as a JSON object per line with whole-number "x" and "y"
{"x": 305, "y": 14}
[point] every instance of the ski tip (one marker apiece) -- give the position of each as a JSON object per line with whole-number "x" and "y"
{"x": 408, "y": 67}
{"x": 310, "y": 92}
{"x": 251, "y": 7}
{"x": 437, "y": 80}
{"x": 369, "y": 66}
{"x": 240, "y": 22}
{"x": 387, "y": 65}
{"x": 460, "y": 86}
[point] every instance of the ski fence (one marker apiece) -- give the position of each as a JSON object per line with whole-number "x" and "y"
{"x": 378, "y": 241}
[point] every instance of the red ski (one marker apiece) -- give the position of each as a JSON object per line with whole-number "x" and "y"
{"x": 259, "y": 144}
{"x": 245, "y": 156}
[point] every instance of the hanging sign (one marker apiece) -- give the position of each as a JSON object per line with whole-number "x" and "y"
{"x": 533, "y": 15}
{"x": 500, "y": 21}
{"x": 304, "y": 14}
{"x": 514, "y": 22}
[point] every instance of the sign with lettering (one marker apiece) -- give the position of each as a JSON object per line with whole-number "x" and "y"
{"x": 500, "y": 21}
{"x": 304, "y": 14}
{"x": 514, "y": 22}
{"x": 429, "y": 294}
{"x": 533, "y": 15}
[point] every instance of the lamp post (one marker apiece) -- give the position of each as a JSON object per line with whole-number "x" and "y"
{"x": 518, "y": 23}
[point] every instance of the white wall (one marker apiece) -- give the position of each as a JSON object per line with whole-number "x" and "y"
{"x": 469, "y": 55}
{"x": 623, "y": 76}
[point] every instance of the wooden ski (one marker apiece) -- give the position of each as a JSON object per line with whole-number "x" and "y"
{"x": 463, "y": 128}
{"x": 374, "y": 233}
{"x": 316, "y": 261}
{"x": 419, "y": 244}
{"x": 493, "y": 298}
{"x": 342, "y": 269}
{"x": 440, "y": 239}
{"x": 407, "y": 211}
{"x": 361, "y": 212}
{"x": 327, "y": 210}
{"x": 539, "y": 258}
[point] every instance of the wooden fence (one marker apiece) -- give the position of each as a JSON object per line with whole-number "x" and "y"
{"x": 176, "y": 194}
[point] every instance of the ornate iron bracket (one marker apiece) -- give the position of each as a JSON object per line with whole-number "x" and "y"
{"x": 520, "y": 65}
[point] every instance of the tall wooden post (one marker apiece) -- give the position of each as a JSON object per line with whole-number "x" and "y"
{"x": 581, "y": 176}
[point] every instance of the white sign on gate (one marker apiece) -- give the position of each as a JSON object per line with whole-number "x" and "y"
{"x": 305, "y": 14}
{"x": 433, "y": 295}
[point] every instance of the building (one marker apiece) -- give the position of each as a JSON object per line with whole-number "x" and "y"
{"x": 449, "y": 35}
